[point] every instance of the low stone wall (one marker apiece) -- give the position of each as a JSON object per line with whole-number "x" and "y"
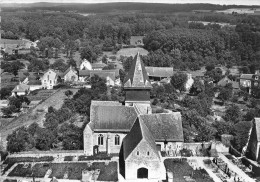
{"x": 196, "y": 146}
{"x": 61, "y": 153}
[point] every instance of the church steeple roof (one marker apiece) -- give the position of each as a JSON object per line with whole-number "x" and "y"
{"x": 137, "y": 77}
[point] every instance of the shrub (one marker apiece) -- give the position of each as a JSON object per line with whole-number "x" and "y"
{"x": 68, "y": 158}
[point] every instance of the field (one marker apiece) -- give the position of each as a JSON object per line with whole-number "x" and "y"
{"x": 74, "y": 170}
{"x": 131, "y": 52}
{"x": 35, "y": 114}
{"x": 127, "y": 52}
{"x": 180, "y": 169}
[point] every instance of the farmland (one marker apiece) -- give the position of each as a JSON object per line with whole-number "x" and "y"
{"x": 35, "y": 114}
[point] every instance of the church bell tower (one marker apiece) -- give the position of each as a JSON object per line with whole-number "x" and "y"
{"x": 137, "y": 85}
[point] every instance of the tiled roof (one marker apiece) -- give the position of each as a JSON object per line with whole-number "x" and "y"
{"x": 98, "y": 65}
{"x": 246, "y": 76}
{"x": 70, "y": 68}
{"x": 84, "y": 72}
{"x": 112, "y": 118}
{"x": 224, "y": 81}
{"x": 159, "y": 71}
{"x": 21, "y": 88}
{"x": 257, "y": 125}
{"x": 103, "y": 74}
{"x": 164, "y": 126}
{"x": 137, "y": 77}
{"x": 139, "y": 132}
{"x": 105, "y": 103}
{"x": 235, "y": 85}
{"x": 34, "y": 82}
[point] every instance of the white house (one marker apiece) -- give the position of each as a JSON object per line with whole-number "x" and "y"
{"x": 21, "y": 89}
{"x": 49, "y": 79}
{"x": 85, "y": 65}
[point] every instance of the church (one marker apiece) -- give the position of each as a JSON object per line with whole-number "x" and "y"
{"x": 131, "y": 130}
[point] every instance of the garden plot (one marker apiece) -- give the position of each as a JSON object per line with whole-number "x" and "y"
{"x": 108, "y": 171}
{"x": 180, "y": 170}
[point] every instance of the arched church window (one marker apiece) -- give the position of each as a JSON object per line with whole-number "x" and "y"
{"x": 148, "y": 153}
{"x": 117, "y": 140}
{"x": 100, "y": 139}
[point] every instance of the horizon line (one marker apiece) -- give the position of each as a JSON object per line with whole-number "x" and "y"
{"x": 117, "y": 1}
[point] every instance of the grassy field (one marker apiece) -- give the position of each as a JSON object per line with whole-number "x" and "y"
{"x": 36, "y": 114}
{"x": 131, "y": 52}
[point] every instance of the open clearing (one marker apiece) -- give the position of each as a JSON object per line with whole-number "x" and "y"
{"x": 35, "y": 114}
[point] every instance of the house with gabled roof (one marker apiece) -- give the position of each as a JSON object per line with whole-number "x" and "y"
{"x": 21, "y": 89}
{"x": 159, "y": 73}
{"x": 70, "y": 75}
{"x": 253, "y": 149}
{"x": 49, "y": 79}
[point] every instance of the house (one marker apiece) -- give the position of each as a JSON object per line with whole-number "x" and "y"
{"x": 49, "y": 79}
{"x": 85, "y": 65}
{"x": 83, "y": 75}
{"x": 110, "y": 121}
{"x": 159, "y": 73}
{"x": 224, "y": 81}
{"x": 253, "y": 149}
{"x": 70, "y": 75}
{"x": 34, "y": 85}
{"x": 249, "y": 81}
{"x": 21, "y": 89}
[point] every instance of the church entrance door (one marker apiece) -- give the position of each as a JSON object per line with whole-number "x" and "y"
{"x": 142, "y": 173}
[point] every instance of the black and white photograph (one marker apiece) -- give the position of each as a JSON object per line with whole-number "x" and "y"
{"x": 130, "y": 91}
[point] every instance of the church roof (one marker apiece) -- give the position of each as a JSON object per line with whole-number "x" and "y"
{"x": 112, "y": 118}
{"x": 137, "y": 77}
{"x": 164, "y": 126}
{"x": 257, "y": 125}
{"x": 138, "y": 132}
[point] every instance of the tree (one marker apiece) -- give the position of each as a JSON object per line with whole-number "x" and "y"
{"x": 72, "y": 137}
{"x": 44, "y": 139}
{"x": 178, "y": 81}
{"x": 20, "y": 140}
{"x": 98, "y": 84}
{"x": 72, "y": 62}
{"x": 33, "y": 128}
{"x": 241, "y": 134}
{"x": 12, "y": 67}
{"x": 225, "y": 93}
{"x": 127, "y": 63}
{"x": 5, "y": 92}
{"x": 233, "y": 114}
{"x": 60, "y": 65}
{"x": 223, "y": 127}
{"x": 68, "y": 93}
{"x": 197, "y": 87}
{"x": 205, "y": 133}
{"x": 8, "y": 111}
{"x": 122, "y": 75}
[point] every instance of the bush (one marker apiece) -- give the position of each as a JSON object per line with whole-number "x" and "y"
{"x": 68, "y": 158}
{"x": 186, "y": 152}
{"x": 100, "y": 156}
{"x": 62, "y": 85}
